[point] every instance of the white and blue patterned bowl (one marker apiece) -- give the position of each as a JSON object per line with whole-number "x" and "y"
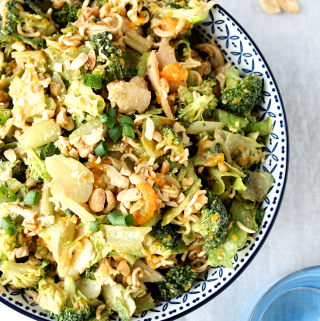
{"x": 238, "y": 48}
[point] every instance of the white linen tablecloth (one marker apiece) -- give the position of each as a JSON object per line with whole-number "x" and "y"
{"x": 291, "y": 45}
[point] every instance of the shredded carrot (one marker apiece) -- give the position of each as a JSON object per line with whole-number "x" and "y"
{"x": 174, "y": 73}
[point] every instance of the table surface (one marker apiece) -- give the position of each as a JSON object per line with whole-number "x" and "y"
{"x": 290, "y": 43}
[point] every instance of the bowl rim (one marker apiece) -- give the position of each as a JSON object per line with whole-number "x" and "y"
{"x": 258, "y": 248}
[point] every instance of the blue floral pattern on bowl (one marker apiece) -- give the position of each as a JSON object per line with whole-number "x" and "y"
{"x": 239, "y": 49}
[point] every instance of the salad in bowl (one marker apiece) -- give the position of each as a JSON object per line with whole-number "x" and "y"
{"x": 128, "y": 154}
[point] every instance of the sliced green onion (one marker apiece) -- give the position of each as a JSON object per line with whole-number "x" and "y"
{"x": 94, "y": 226}
{"x": 112, "y": 112}
{"x": 111, "y": 122}
{"x": 108, "y": 120}
{"x": 124, "y": 119}
{"x": 103, "y": 118}
{"x": 92, "y": 81}
{"x": 69, "y": 244}
{"x": 47, "y": 151}
{"x": 8, "y": 226}
{"x": 32, "y": 198}
{"x": 115, "y": 218}
{"x": 128, "y": 130}
{"x": 69, "y": 213}
{"x": 7, "y": 194}
{"x": 101, "y": 149}
{"x": 3, "y": 120}
{"x": 114, "y": 133}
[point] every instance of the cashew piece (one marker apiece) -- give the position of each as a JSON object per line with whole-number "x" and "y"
{"x": 111, "y": 202}
{"x": 270, "y": 6}
{"x": 97, "y": 200}
{"x": 124, "y": 268}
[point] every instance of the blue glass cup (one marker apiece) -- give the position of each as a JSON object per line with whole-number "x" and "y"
{"x": 296, "y": 297}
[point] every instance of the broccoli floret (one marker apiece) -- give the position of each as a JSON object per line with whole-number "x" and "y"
{"x": 91, "y": 270}
{"x": 169, "y": 138}
{"x": 214, "y": 222}
{"x": 216, "y": 150}
{"x": 18, "y": 169}
{"x": 109, "y": 54}
{"x": 16, "y": 13}
{"x": 44, "y": 5}
{"x": 51, "y": 297}
{"x": 65, "y": 14}
{"x": 167, "y": 235}
{"x": 22, "y": 275}
{"x": 43, "y": 252}
{"x": 75, "y": 308}
{"x": 178, "y": 280}
{"x": 163, "y": 158}
{"x": 37, "y": 168}
{"x": 13, "y": 7}
{"x": 210, "y": 156}
{"x": 197, "y": 103}
{"x": 206, "y": 88}
{"x": 9, "y": 242}
{"x": 240, "y": 94}
{"x": 194, "y": 11}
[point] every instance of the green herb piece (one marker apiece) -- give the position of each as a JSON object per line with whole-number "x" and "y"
{"x": 92, "y": 81}
{"x": 124, "y": 119}
{"x": 68, "y": 212}
{"x": 115, "y": 218}
{"x": 101, "y": 149}
{"x": 112, "y": 112}
{"x": 8, "y": 226}
{"x": 3, "y": 120}
{"x": 47, "y": 151}
{"x": 103, "y": 118}
{"x": 107, "y": 120}
{"x": 7, "y": 194}
{"x": 114, "y": 133}
{"x": 32, "y": 198}
{"x": 128, "y": 130}
{"x": 94, "y": 226}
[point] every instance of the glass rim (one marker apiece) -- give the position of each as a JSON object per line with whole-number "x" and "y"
{"x": 308, "y": 277}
